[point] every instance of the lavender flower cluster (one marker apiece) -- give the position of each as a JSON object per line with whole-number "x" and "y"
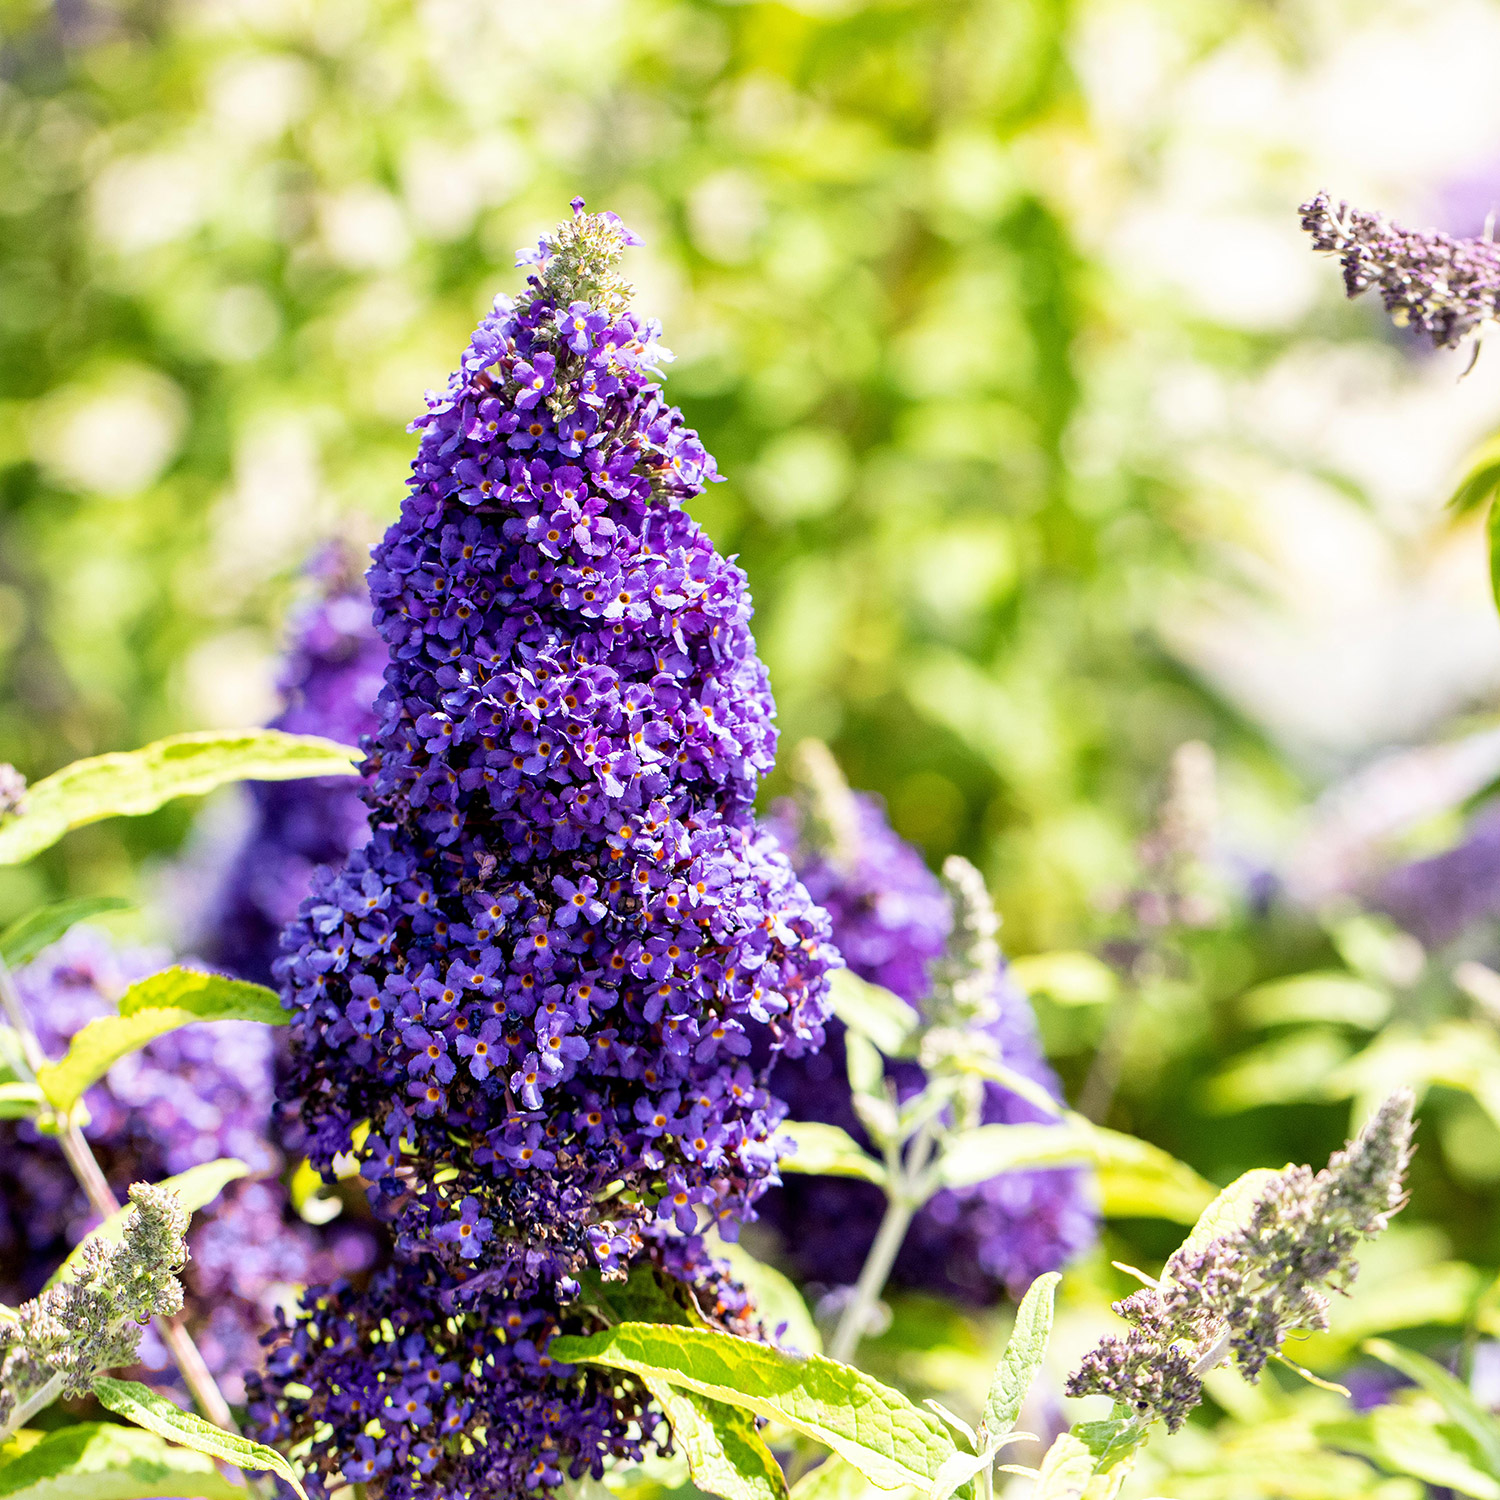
{"x": 1443, "y": 287}
{"x": 891, "y": 921}
{"x": 186, "y": 1098}
{"x": 534, "y": 1008}
{"x": 329, "y": 679}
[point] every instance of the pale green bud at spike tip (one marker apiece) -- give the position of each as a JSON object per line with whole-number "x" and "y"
{"x": 579, "y": 261}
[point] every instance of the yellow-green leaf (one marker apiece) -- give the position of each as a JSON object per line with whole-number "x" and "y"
{"x": 1136, "y": 1179}
{"x": 28, "y": 935}
{"x": 1024, "y": 1352}
{"x": 872, "y": 1011}
{"x": 876, "y": 1429}
{"x": 104, "y": 1461}
{"x": 131, "y": 782}
{"x": 150, "y": 1008}
{"x": 1066, "y": 978}
{"x": 826, "y": 1151}
{"x": 141, "y": 1405}
{"x": 725, "y": 1454}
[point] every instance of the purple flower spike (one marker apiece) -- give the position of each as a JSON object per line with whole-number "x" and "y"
{"x": 541, "y": 1003}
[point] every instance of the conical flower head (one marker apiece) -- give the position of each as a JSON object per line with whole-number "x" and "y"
{"x": 529, "y": 1004}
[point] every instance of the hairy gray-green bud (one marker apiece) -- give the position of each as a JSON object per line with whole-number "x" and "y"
{"x": 55, "y": 1344}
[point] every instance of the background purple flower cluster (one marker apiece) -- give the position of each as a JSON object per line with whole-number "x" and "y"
{"x": 891, "y": 920}
{"x": 329, "y": 679}
{"x": 535, "y": 1006}
{"x": 186, "y": 1098}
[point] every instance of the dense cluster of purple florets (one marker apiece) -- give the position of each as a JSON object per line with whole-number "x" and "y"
{"x": 533, "y": 1008}
{"x": 890, "y": 921}
{"x": 329, "y": 679}
{"x": 186, "y": 1098}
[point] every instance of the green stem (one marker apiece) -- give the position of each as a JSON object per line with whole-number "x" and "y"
{"x": 906, "y": 1194}
{"x": 872, "y": 1278}
{"x": 43, "y": 1396}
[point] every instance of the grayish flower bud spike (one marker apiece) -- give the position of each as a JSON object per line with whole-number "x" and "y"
{"x": 826, "y": 808}
{"x": 54, "y": 1345}
{"x": 963, "y": 979}
{"x": 1240, "y": 1295}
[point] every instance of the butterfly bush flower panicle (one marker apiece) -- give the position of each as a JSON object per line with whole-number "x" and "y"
{"x": 1446, "y": 288}
{"x": 55, "y": 1344}
{"x": 542, "y": 980}
{"x": 933, "y": 945}
{"x": 1240, "y": 1295}
{"x": 537, "y": 1009}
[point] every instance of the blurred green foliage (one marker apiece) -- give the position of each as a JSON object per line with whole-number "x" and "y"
{"x": 238, "y": 241}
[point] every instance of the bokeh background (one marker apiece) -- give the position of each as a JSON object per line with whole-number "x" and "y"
{"x": 1049, "y": 445}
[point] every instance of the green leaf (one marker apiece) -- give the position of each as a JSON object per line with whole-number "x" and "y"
{"x": 196, "y": 1188}
{"x": 131, "y": 782}
{"x": 210, "y": 997}
{"x": 1135, "y": 1178}
{"x": 827, "y": 1151}
{"x": 141, "y": 1405}
{"x": 104, "y": 1461}
{"x": 833, "y": 1479}
{"x": 956, "y": 1471}
{"x": 971, "y": 1156}
{"x": 1482, "y": 480}
{"x": 725, "y": 1453}
{"x": 1066, "y": 978}
{"x": 1403, "y": 1441}
{"x": 28, "y": 935}
{"x": 647, "y": 1295}
{"x": 776, "y": 1298}
{"x": 872, "y": 1011}
{"x": 150, "y": 1008}
{"x": 1066, "y": 1470}
{"x": 1021, "y": 1360}
{"x": 1492, "y": 537}
{"x": 19, "y": 1101}
{"x": 864, "y": 1065}
{"x": 1331, "y": 996}
{"x": 876, "y": 1429}
{"x": 1481, "y": 1425}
